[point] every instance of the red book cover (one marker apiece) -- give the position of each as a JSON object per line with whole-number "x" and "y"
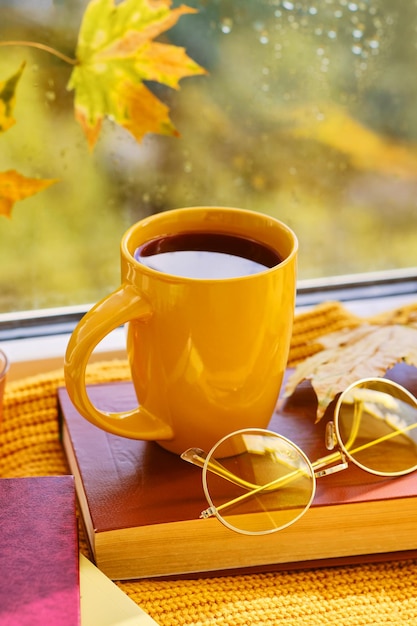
{"x": 39, "y": 564}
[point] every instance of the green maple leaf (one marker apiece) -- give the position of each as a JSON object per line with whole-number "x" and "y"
{"x": 115, "y": 55}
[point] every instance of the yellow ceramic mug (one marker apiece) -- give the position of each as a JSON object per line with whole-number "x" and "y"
{"x": 207, "y": 355}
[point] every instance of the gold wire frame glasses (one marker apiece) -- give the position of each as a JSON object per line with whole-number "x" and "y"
{"x": 258, "y": 482}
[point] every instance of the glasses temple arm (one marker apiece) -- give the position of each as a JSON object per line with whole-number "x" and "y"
{"x": 386, "y": 437}
{"x": 198, "y": 457}
{"x": 357, "y": 415}
{"x": 273, "y": 485}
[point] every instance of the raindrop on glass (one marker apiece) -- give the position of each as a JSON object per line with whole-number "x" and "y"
{"x": 226, "y": 25}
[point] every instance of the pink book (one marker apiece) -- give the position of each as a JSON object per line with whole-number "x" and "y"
{"x": 39, "y": 554}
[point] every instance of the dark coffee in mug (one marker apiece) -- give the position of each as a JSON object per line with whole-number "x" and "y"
{"x": 207, "y": 255}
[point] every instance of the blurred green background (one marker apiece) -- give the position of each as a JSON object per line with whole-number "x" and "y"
{"x": 308, "y": 114}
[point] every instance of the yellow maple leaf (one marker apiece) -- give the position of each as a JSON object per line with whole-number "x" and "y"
{"x": 115, "y": 55}
{"x": 8, "y": 98}
{"x": 15, "y": 186}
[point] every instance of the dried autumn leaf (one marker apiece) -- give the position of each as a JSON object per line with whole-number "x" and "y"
{"x": 351, "y": 354}
{"x": 8, "y": 98}
{"x": 14, "y": 187}
{"x": 116, "y": 54}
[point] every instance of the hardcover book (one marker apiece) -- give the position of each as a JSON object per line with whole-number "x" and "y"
{"x": 141, "y": 504}
{"x": 39, "y": 552}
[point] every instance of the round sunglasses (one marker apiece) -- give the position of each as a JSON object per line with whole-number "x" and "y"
{"x": 258, "y": 482}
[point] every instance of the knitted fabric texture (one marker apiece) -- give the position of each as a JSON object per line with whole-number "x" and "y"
{"x": 380, "y": 593}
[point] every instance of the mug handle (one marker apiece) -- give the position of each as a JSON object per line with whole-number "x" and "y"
{"x": 113, "y": 311}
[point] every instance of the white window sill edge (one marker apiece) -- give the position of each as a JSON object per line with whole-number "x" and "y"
{"x": 31, "y": 356}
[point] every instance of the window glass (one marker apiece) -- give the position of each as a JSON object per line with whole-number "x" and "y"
{"x": 308, "y": 113}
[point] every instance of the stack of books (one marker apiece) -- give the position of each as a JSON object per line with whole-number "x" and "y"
{"x": 140, "y": 504}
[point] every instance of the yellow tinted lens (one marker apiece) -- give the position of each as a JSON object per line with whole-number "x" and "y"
{"x": 257, "y": 481}
{"x": 376, "y": 424}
